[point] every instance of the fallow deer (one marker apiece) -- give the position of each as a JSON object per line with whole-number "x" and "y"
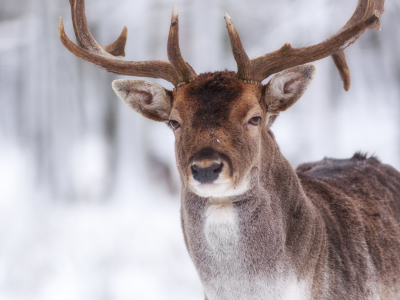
{"x": 254, "y": 227}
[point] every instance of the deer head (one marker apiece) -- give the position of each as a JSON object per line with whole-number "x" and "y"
{"x": 219, "y": 123}
{"x": 218, "y": 118}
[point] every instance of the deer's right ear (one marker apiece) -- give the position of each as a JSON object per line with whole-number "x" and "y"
{"x": 286, "y": 87}
{"x": 147, "y": 98}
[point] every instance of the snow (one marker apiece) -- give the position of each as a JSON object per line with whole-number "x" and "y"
{"x": 119, "y": 249}
{"x": 89, "y": 192}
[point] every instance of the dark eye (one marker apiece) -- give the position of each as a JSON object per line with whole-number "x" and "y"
{"x": 255, "y": 120}
{"x": 174, "y": 124}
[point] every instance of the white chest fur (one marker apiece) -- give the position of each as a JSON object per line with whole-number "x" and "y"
{"x": 221, "y": 229}
{"x": 229, "y": 278}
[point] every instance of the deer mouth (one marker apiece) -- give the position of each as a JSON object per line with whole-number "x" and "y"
{"x": 210, "y": 174}
{"x": 221, "y": 187}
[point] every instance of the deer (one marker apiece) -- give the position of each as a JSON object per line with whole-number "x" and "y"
{"x": 254, "y": 227}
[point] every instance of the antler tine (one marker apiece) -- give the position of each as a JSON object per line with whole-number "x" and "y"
{"x": 105, "y": 57}
{"x": 117, "y": 48}
{"x": 85, "y": 38}
{"x": 242, "y": 60}
{"x": 183, "y": 69}
{"x": 364, "y": 8}
{"x": 366, "y": 16}
{"x": 341, "y": 64}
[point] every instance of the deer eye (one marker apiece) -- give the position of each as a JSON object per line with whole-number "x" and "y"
{"x": 254, "y": 120}
{"x": 174, "y": 124}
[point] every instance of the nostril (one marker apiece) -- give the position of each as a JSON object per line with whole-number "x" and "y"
{"x": 195, "y": 169}
{"x": 218, "y": 168}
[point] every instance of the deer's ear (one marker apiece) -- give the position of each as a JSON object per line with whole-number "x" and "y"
{"x": 286, "y": 87}
{"x": 147, "y": 98}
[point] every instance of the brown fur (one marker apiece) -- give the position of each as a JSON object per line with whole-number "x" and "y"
{"x": 336, "y": 222}
{"x": 330, "y": 230}
{"x": 210, "y": 110}
{"x": 360, "y": 205}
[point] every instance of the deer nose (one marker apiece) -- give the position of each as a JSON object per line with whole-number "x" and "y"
{"x": 207, "y": 175}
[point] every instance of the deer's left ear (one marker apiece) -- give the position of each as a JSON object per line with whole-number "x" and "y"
{"x": 286, "y": 87}
{"x": 147, "y": 98}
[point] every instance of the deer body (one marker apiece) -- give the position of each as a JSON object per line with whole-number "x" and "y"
{"x": 295, "y": 243}
{"x": 255, "y": 228}
{"x": 314, "y": 234}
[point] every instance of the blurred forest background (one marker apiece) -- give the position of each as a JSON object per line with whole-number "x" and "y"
{"x": 89, "y": 192}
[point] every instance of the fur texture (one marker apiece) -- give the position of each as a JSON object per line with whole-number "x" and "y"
{"x": 147, "y": 98}
{"x": 329, "y": 232}
{"x": 261, "y": 230}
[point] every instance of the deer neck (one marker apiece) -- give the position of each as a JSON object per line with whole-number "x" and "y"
{"x": 278, "y": 177}
{"x": 262, "y": 239}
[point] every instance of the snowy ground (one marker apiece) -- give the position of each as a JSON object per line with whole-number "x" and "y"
{"x": 121, "y": 249}
{"x": 108, "y": 251}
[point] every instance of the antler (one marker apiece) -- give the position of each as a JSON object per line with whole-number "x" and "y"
{"x": 366, "y": 16}
{"x": 105, "y": 57}
{"x": 242, "y": 60}
{"x": 182, "y": 68}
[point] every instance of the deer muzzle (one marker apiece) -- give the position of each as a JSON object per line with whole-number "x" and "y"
{"x": 208, "y": 174}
